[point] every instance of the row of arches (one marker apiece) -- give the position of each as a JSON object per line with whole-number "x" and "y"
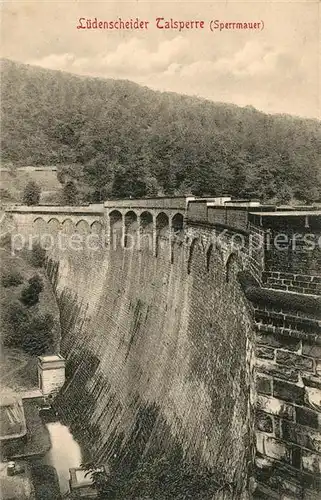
{"x": 145, "y": 220}
{"x": 232, "y": 265}
{"x": 68, "y": 226}
{"x": 144, "y": 227}
{"x": 129, "y": 223}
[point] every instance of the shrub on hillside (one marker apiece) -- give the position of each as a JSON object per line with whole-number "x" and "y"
{"x": 38, "y": 256}
{"x": 30, "y": 294}
{"x": 37, "y": 335}
{"x": 11, "y": 278}
{"x": 158, "y": 478}
{"x": 70, "y": 193}
{"x": 31, "y": 194}
{"x": 18, "y": 317}
{"x": 36, "y": 283}
{"x": 33, "y": 333}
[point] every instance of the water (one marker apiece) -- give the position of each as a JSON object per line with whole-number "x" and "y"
{"x": 64, "y": 454}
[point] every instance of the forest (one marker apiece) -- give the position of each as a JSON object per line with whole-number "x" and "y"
{"x": 114, "y": 138}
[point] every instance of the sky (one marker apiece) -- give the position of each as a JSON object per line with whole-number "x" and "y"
{"x": 276, "y": 69}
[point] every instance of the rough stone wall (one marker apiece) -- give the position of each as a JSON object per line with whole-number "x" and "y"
{"x": 288, "y": 366}
{"x": 159, "y": 350}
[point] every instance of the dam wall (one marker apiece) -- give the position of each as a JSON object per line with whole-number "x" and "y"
{"x": 190, "y": 325}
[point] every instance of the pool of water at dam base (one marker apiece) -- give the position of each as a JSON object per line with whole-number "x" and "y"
{"x": 65, "y": 453}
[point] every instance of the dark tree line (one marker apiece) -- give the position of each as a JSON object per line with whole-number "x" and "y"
{"x": 117, "y": 139}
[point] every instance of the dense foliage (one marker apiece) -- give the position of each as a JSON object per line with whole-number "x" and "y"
{"x": 11, "y": 278}
{"x": 119, "y": 139}
{"x": 32, "y": 331}
{"x": 30, "y": 294}
{"x": 69, "y": 193}
{"x": 37, "y": 256}
{"x": 159, "y": 478}
{"x": 31, "y": 194}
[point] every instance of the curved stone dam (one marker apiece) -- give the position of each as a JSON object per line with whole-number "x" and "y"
{"x": 178, "y": 331}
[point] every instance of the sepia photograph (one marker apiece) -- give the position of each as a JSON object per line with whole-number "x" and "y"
{"x": 160, "y": 250}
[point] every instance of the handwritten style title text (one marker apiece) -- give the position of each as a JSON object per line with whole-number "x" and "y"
{"x": 167, "y": 24}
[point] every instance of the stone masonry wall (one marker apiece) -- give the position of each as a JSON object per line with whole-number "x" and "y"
{"x": 159, "y": 350}
{"x": 288, "y": 364}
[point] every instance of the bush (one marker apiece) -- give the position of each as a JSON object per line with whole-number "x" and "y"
{"x": 70, "y": 193}
{"x": 33, "y": 333}
{"x": 37, "y": 334}
{"x": 159, "y": 478}
{"x": 38, "y": 256}
{"x": 18, "y": 317}
{"x": 31, "y": 194}
{"x": 30, "y": 294}
{"x": 36, "y": 283}
{"x": 11, "y": 278}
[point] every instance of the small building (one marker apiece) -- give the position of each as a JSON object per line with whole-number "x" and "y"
{"x": 13, "y": 427}
{"x": 12, "y": 417}
{"x": 51, "y": 374}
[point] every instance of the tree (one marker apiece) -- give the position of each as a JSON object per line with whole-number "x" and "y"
{"x": 17, "y": 316}
{"x": 70, "y": 193}
{"x": 31, "y": 193}
{"x": 11, "y": 278}
{"x": 38, "y": 334}
{"x": 38, "y": 255}
{"x": 30, "y": 294}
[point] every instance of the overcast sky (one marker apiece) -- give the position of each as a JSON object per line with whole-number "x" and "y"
{"x": 276, "y": 69}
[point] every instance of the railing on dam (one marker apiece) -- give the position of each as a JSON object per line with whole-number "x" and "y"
{"x": 240, "y": 214}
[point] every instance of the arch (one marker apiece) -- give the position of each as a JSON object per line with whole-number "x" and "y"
{"x": 146, "y": 225}
{"x": 162, "y": 230}
{"x": 131, "y": 227}
{"x": 162, "y": 224}
{"x": 96, "y": 227}
{"x": 116, "y": 227}
{"x": 54, "y": 224}
{"x": 190, "y": 255}
{"x": 130, "y": 218}
{"x": 177, "y": 222}
{"x": 146, "y": 221}
{"x": 68, "y": 226}
{"x": 83, "y": 227}
{"x": 232, "y": 267}
{"x": 39, "y": 224}
{"x": 115, "y": 217}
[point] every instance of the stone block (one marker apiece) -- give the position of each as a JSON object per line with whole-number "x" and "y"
{"x": 279, "y": 371}
{"x": 294, "y": 360}
{"x": 311, "y": 462}
{"x": 277, "y": 449}
{"x": 314, "y": 351}
{"x": 302, "y": 436}
{"x": 308, "y": 418}
{"x": 265, "y": 352}
{"x": 288, "y": 392}
{"x": 264, "y": 422}
{"x": 260, "y": 443}
{"x": 263, "y": 385}
{"x": 313, "y": 397}
{"x": 278, "y": 340}
{"x": 275, "y": 407}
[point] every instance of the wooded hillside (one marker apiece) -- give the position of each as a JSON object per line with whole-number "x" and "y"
{"x": 121, "y": 139}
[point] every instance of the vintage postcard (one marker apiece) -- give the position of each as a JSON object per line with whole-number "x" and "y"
{"x": 160, "y": 250}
